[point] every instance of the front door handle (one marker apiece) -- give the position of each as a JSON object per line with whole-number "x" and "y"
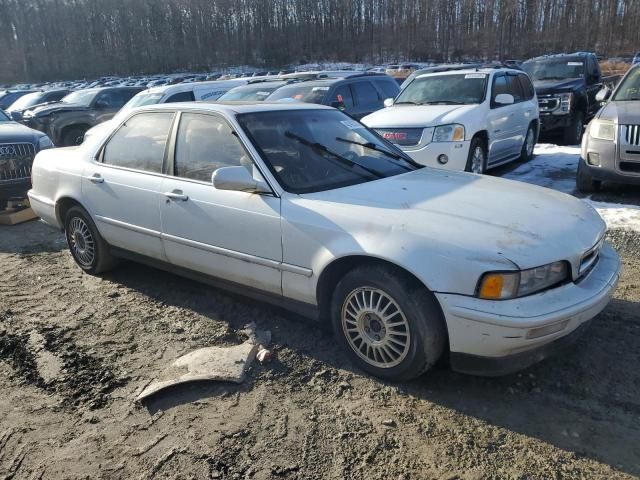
{"x": 95, "y": 178}
{"x": 176, "y": 195}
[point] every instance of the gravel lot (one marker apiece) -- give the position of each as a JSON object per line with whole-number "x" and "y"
{"x": 75, "y": 350}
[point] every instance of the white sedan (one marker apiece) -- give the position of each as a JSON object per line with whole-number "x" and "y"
{"x": 305, "y": 207}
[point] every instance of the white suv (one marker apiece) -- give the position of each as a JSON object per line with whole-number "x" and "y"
{"x": 470, "y": 120}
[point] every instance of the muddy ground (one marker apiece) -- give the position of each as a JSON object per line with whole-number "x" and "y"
{"x": 75, "y": 350}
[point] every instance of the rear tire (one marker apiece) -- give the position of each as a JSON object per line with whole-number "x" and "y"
{"x": 573, "y": 133}
{"x": 585, "y": 183}
{"x": 390, "y": 325}
{"x": 477, "y": 158}
{"x": 529, "y": 144}
{"x": 90, "y": 251}
{"x": 73, "y": 136}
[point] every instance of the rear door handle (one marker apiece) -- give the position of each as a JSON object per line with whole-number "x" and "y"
{"x": 176, "y": 195}
{"x": 95, "y": 178}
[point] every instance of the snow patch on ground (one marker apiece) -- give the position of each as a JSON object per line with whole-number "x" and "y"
{"x": 555, "y": 167}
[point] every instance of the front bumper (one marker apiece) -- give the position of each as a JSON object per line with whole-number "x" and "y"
{"x": 550, "y": 122}
{"x": 457, "y": 152}
{"x": 14, "y": 188}
{"x": 613, "y": 157}
{"x": 494, "y": 334}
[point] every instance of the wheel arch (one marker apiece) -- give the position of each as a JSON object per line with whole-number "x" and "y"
{"x": 484, "y": 135}
{"x": 63, "y": 205}
{"x": 80, "y": 125}
{"x": 336, "y": 269}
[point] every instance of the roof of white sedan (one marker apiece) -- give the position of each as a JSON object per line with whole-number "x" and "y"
{"x": 236, "y": 107}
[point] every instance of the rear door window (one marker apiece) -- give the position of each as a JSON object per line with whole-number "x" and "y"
{"x": 527, "y": 87}
{"x": 140, "y": 143}
{"x": 515, "y": 88}
{"x": 389, "y": 88}
{"x": 365, "y": 93}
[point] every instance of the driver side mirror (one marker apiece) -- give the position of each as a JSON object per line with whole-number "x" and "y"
{"x": 504, "y": 99}
{"x": 239, "y": 179}
{"x": 603, "y": 95}
{"x": 388, "y": 103}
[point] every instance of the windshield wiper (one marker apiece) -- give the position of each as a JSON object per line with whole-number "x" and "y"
{"x": 407, "y": 102}
{"x": 337, "y": 156}
{"x": 444, "y": 102}
{"x": 371, "y": 146}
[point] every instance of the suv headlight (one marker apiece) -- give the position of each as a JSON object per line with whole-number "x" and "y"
{"x": 448, "y": 133}
{"x": 44, "y": 143}
{"x": 565, "y": 101}
{"x": 506, "y": 285}
{"x": 603, "y": 130}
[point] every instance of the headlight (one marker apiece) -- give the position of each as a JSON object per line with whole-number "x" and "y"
{"x": 564, "y": 100}
{"x": 603, "y": 130}
{"x": 448, "y": 133}
{"x": 505, "y": 285}
{"x": 44, "y": 143}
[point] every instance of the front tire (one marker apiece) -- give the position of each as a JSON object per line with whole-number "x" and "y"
{"x": 585, "y": 183}
{"x": 88, "y": 248}
{"x": 390, "y": 325}
{"x": 477, "y": 158}
{"x": 573, "y": 133}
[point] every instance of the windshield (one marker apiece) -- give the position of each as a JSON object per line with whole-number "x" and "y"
{"x": 3, "y": 117}
{"x": 254, "y": 93}
{"x": 26, "y": 101}
{"x": 629, "y": 89}
{"x": 457, "y": 89}
{"x": 554, "y": 69}
{"x": 301, "y": 93}
{"x": 83, "y": 97}
{"x": 316, "y": 150}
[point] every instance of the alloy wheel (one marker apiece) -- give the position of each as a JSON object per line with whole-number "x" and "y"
{"x": 82, "y": 242}
{"x": 375, "y": 327}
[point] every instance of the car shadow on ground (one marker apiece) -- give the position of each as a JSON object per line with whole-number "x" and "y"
{"x": 40, "y": 240}
{"x": 584, "y": 400}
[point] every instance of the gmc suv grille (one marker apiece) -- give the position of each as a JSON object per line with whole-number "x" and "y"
{"x": 632, "y": 135}
{"x": 16, "y": 160}
{"x": 547, "y": 103}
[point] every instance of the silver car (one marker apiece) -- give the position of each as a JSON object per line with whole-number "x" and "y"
{"x": 611, "y": 144}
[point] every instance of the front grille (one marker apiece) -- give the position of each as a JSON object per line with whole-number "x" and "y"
{"x": 16, "y": 160}
{"x": 548, "y": 104}
{"x": 631, "y": 134}
{"x": 403, "y": 137}
{"x": 589, "y": 259}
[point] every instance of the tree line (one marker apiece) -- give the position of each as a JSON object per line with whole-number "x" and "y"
{"x": 70, "y": 39}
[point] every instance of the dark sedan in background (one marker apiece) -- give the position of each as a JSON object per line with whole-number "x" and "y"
{"x": 611, "y": 145}
{"x": 18, "y": 147}
{"x": 35, "y": 99}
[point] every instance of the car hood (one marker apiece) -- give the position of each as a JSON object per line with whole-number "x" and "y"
{"x": 546, "y": 87}
{"x": 12, "y": 132}
{"x": 624, "y": 113}
{"x": 470, "y": 216}
{"x": 416, "y": 115}
{"x": 57, "y": 107}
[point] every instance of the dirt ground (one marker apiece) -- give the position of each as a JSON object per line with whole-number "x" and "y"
{"x": 75, "y": 350}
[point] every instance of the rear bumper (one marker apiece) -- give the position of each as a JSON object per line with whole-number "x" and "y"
{"x": 512, "y": 333}
{"x": 45, "y": 209}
